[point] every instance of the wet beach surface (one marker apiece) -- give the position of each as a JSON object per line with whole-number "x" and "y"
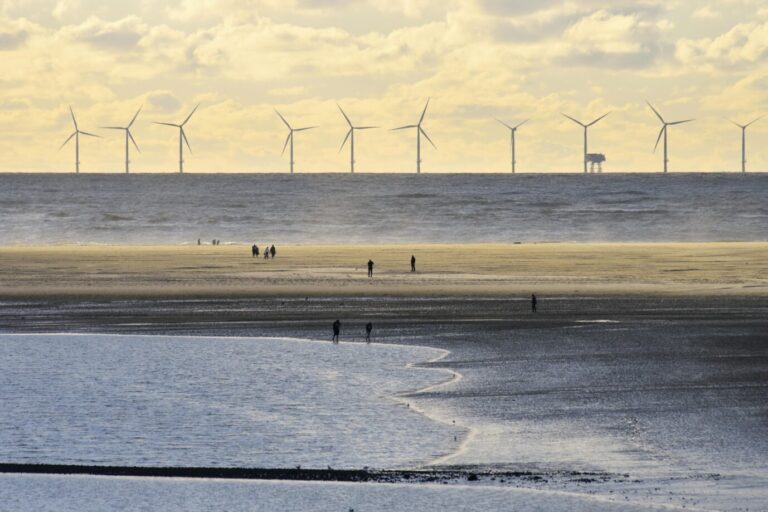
{"x": 671, "y": 391}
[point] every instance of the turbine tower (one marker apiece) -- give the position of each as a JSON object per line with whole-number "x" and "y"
{"x": 290, "y": 136}
{"x": 512, "y": 132}
{"x": 182, "y": 138}
{"x": 351, "y": 136}
{"x": 586, "y": 130}
{"x": 76, "y": 134}
{"x": 744, "y": 141}
{"x": 419, "y": 132}
{"x": 128, "y": 135}
{"x": 663, "y": 132}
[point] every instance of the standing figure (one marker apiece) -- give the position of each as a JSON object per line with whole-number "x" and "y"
{"x": 370, "y": 268}
{"x": 336, "y": 330}
{"x": 254, "y": 250}
{"x": 533, "y": 302}
{"x": 368, "y": 329}
{"x": 272, "y": 251}
{"x": 413, "y": 263}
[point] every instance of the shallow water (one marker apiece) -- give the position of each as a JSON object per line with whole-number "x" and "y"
{"x": 84, "y": 494}
{"x": 186, "y": 401}
{"x": 337, "y": 208}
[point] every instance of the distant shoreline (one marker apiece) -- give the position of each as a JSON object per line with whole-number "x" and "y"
{"x": 443, "y": 270}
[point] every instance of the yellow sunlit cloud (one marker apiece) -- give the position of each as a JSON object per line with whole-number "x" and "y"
{"x": 381, "y": 60}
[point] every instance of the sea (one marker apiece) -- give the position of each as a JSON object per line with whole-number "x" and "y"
{"x": 381, "y": 208}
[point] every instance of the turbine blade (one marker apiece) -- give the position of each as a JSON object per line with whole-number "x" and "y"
{"x": 184, "y": 136}
{"x": 502, "y": 122}
{"x": 135, "y": 116}
{"x": 405, "y": 127}
{"x": 680, "y": 122}
{"x": 598, "y": 120}
{"x": 284, "y": 121}
{"x": 91, "y": 135}
{"x": 305, "y": 129}
{"x": 427, "y": 136}
{"x": 659, "y": 137}
{"x": 286, "y": 142}
{"x": 655, "y": 112}
{"x": 424, "y": 113}
{"x": 521, "y": 124}
{"x": 365, "y": 127}
{"x": 68, "y": 139}
{"x": 753, "y": 122}
{"x": 72, "y": 113}
{"x": 574, "y": 120}
{"x": 167, "y": 124}
{"x": 112, "y": 128}
{"x": 737, "y": 124}
{"x": 130, "y": 136}
{"x": 190, "y": 115}
{"x": 345, "y": 115}
{"x": 345, "y": 139}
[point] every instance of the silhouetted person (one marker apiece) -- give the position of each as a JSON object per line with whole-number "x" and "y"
{"x": 266, "y": 253}
{"x": 198, "y": 242}
{"x": 533, "y": 302}
{"x": 273, "y": 251}
{"x": 336, "y": 330}
{"x": 370, "y": 268}
{"x": 413, "y": 263}
{"x": 368, "y": 329}
{"x": 254, "y": 250}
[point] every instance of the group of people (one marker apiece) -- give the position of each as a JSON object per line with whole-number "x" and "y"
{"x": 370, "y": 265}
{"x": 369, "y": 325}
{"x": 213, "y": 242}
{"x": 269, "y": 252}
{"x": 337, "y": 331}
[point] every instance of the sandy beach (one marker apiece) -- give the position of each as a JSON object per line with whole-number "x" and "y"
{"x": 709, "y": 269}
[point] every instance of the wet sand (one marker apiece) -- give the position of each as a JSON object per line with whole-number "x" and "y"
{"x": 705, "y": 269}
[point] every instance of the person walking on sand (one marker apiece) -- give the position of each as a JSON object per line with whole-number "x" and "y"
{"x": 533, "y": 303}
{"x": 273, "y": 251}
{"x": 368, "y": 329}
{"x": 336, "y": 330}
{"x": 254, "y": 250}
{"x": 413, "y": 263}
{"x": 370, "y": 268}
{"x": 266, "y": 253}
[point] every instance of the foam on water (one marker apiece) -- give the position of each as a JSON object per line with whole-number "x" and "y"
{"x": 187, "y": 401}
{"x": 338, "y": 208}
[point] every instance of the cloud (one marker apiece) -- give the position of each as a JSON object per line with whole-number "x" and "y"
{"x": 745, "y": 43}
{"x": 163, "y": 101}
{"x": 123, "y": 34}
{"x": 706, "y": 12}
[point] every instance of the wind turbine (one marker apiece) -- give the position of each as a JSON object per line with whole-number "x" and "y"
{"x": 512, "y": 131}
{"x": 290, "y": 136}
{"x": 76, "y": 134}
{"x": 419, "y": 132}
{"x": 182, "y": 138}
{"x": 351, "y": 136}
{"x": 744, "y": 141}
{"x": 664, "y": 132}
{"x": 586, "y": 130}
{"x": 128, "y": 135}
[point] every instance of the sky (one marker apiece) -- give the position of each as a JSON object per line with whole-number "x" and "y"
{"x": 381, "y": 60}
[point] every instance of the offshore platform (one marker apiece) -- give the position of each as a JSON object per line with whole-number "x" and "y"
{"x": 595, "y": 159}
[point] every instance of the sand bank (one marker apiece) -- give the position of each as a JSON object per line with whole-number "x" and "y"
{"x": 728, "y": 268}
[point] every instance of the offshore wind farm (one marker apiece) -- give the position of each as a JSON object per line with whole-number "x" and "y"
{"x": 589, "y": 159}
